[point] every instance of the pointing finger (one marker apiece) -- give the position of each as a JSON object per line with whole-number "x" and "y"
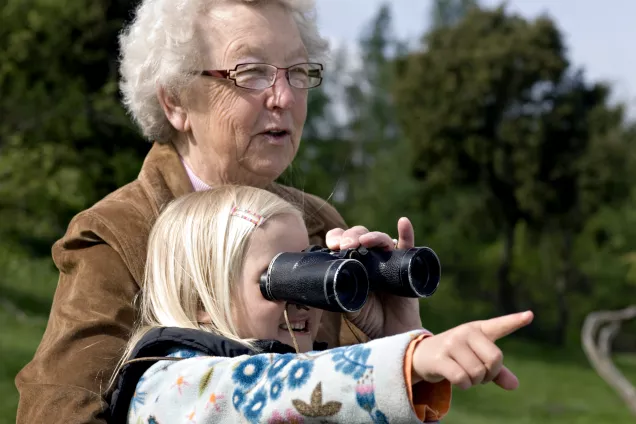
{"x": 499, "y": 327}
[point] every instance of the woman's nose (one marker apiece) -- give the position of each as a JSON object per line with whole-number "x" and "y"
{"x": 282, "y": 94}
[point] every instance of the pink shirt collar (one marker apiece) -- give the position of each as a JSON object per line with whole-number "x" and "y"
{"x": 197, "y": 183}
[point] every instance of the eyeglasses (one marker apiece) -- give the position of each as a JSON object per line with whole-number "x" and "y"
{"x": 259, "y": 76}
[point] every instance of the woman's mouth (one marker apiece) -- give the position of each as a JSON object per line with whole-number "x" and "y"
{"x": 277, "y": 137}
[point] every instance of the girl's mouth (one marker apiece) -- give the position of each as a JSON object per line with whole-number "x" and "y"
{"x": 297, "y": 327}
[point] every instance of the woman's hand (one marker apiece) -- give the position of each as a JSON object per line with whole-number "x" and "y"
{"x": 467, "y": 355}
{"x": 383, "y": 314}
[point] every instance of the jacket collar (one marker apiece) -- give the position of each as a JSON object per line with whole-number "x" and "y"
{"x": 159, "y": 342}
{"x": 164, "y": 178}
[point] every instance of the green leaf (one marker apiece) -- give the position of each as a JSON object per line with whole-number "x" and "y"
{"x": 205, "y": 380}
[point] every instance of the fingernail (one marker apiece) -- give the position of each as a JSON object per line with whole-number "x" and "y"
{"x": 346, "y": 242}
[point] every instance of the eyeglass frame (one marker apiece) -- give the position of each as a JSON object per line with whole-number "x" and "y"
{"x": 226, "y": 74}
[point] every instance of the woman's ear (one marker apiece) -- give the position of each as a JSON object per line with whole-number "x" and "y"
{"x": 203, "y": 317}
{"x": 174, "y": 110}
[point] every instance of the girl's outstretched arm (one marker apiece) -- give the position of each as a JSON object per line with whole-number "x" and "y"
{"x": 363, "y": 383}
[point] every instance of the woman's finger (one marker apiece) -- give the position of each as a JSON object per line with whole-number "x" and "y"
{"x": 333, "y": 237}
{"x": 351, "y": 237}
{"x": 488, "y": 353}
{"x": 470, "y": 362}
{"x": 406, "y": 234}
{"x": 376, "y": 239}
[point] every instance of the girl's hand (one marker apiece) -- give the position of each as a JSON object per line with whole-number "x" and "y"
{"x": 383, "y": 314}
{"x": 467, "y": 355}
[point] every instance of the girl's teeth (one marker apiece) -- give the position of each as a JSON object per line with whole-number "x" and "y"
{"x": 300, "y": 326}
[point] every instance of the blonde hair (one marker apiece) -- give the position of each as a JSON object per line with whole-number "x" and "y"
{"x": 160, "y": 48}
{"x": 196, "y": 252}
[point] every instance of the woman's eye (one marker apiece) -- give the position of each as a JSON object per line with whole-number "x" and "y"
{"x": 249, "y": 74}
{"x": 300, "y": 71}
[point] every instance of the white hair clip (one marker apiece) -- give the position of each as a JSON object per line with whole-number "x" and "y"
{"x": 247, "y": 215}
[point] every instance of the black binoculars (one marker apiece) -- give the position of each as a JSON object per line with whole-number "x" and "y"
{"x": 340, "y": 280}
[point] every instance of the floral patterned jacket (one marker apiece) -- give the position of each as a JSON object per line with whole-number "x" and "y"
{"x": 364, "y": 383}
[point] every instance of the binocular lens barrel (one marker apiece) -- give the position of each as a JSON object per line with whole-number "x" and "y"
{"x": 337, "y": 285}
{"x": 340, "y": 281}
{"x": 422, "y": 270}
{"x": 411, "y": 272}
{"x": 349, "y": 286}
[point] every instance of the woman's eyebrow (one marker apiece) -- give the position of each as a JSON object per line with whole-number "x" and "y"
{"x": 299, "y": 52}
{"x": 246, "y": 50}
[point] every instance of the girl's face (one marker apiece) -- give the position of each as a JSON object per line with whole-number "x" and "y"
{"x": 257, "y": 317}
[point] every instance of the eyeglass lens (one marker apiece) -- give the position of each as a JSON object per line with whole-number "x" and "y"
{"x": 260, "y": 75}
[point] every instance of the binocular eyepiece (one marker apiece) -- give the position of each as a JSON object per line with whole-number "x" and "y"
{"x": 340, "y": 280}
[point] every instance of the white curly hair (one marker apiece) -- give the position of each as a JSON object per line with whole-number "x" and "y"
{"x": 159, "y": 48}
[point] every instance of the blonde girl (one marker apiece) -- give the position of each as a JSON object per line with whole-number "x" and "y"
{"x": 208, "y": 348}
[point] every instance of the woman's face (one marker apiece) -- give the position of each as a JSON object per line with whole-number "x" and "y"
{"x": 254, "y": 315}
{"x": 228, "y": 126}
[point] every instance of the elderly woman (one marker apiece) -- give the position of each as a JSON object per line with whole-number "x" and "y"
{"x": 220, "y": 88}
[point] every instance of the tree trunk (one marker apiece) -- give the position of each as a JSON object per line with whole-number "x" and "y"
{"x": 506, "y": 291}
{"x": 598, "y": 350}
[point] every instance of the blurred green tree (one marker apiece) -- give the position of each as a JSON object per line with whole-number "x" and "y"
{"x": 65, "y": 141}
{"x": 379, "y": 189}
{"x": 492, "y": 104}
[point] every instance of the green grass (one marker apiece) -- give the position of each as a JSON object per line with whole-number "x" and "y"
{"x": 26, "y": 290}
{"x": 557, "y": 386}
{"x": 18, "y": 341}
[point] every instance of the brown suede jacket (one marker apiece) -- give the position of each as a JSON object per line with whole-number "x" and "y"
{"x": 101, "y": 261}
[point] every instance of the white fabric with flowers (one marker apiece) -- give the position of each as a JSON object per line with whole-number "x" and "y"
{"x": 362, "y": 383}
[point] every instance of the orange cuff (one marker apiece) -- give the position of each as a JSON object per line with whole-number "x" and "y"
{"x": 430, "y": 401}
